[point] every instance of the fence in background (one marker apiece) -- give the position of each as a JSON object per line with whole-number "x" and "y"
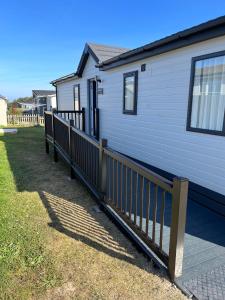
{"x": 152, "y": 206}
{"x": 25, "y": 120}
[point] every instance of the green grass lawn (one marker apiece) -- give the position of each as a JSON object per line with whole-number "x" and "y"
{"x": 25, "y": 263}
{"x": 53, "y": 245}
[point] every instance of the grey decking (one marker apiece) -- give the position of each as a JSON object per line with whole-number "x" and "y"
{"x": 208, "y": 285}
{"x": 204, "y": 249}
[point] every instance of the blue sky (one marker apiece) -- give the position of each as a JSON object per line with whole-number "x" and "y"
{"x": 42, "y": 40}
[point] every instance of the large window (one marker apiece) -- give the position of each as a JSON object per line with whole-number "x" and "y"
{"x": 207, "y": 94}
{"x": 76, "y": 94}
{"x": 130, "y": 82}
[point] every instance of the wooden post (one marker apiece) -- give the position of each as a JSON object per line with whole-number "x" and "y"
{"x": 71, "y": 124}
{"x": 55, "y": 154}
{"x": 46, "y": 146}
{"x": 46, "y": 141}
{"x": 177, "y": 230}
{"x": 83, "y": 119}
{"x": 102, "y": 167}
{"x": 97, "y": 124}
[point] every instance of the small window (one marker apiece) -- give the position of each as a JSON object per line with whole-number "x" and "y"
{"x": 76, "y": 94}
{"x": 207, "y": 94}
{"x": 130, "y": 83}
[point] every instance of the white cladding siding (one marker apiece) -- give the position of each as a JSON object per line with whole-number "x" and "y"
{"x": 51, "y": 102}
{"x": 157, "y": 134}
{"x": 65, "y": 95}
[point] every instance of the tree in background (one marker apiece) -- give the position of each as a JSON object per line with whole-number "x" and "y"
{"x": 24, "y": 99}
{"x": 13, "y": 107}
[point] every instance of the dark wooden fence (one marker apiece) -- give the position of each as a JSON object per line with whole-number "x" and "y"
{"x": 152, "y": 206}
{"x": 85, "y": 156}
{"x": 61, "y": 133}
{"x": 48, "y": 124}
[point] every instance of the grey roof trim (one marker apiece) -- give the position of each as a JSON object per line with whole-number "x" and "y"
{"x": 91, "y": 49}
{"x": 95, "y": 50}
{"x": 84, "y": 57}
{"x": 64, "y": 78}
{"x": 211, "y": 29}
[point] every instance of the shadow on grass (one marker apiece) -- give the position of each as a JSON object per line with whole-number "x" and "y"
{"x": 68, "y": 203}
{"x": 70, "y": 206}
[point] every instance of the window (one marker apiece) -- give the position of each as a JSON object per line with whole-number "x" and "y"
{"x": 76, "y": 95}
{"x": 130, "y": 81}
{"x": 42, "y": 100}
{"x": 207, "y": 94}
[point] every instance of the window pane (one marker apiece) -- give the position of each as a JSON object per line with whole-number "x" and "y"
{"x": 129, "y": 93}
{"x": 76, "y": 94}
{"x": 76, "y": 97}
{"x": 76, "y": 105}
{"x": 208, "y": 102}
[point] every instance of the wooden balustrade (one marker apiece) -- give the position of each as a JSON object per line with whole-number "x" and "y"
{"x": 152, "y": 206}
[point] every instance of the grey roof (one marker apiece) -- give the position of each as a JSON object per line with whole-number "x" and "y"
{"x": 98, "y": 52}
{"x": 3, "y": 97}
{"x": 43, "y": 92}
{"x": 104, "y": 52}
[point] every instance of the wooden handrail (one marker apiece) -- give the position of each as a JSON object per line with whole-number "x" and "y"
{"x": 86, "y": 137}
{"x": 61, "y": 120}
{"x": 143, "y": 171}
{"x": 48, "y": 112}
{"x": 69, "y": 111}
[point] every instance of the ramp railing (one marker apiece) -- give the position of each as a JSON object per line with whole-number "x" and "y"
{"x": 153, "y": 207}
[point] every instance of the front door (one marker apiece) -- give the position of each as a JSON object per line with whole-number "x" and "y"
{"x": 92, "y": 91}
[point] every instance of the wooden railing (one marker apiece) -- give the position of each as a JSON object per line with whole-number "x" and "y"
{"x": 48, "y": 124}
{"x": 141, "y": 198}
{"x": 25, "y": 120}
{"x": 61, "y": 133}
{"x": 152, "y": 206}
{"x": 78, "y": 116}
{"x": 85, "y": 156}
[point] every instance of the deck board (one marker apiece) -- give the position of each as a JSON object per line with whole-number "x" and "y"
{"x": 204, "y": 247}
